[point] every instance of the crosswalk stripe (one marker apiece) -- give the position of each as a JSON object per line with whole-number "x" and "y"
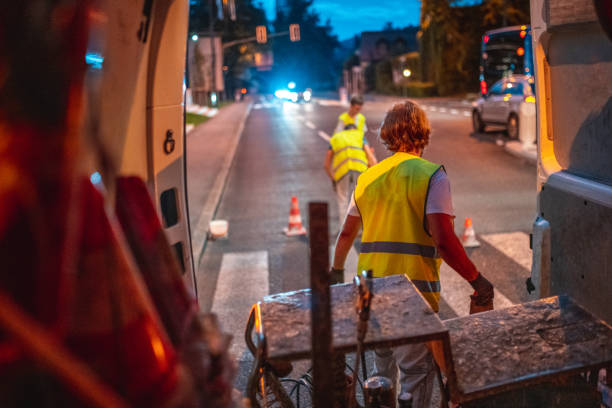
{"x": 515, "y": 245}
{"x": 456, "y": 292}
{"x": 257, "y": 106}
{"x": 443, "y": 110}
{"x": 243, "y": 281}
{"x": 454, "y": 111}
{"x": 467, "y": 113}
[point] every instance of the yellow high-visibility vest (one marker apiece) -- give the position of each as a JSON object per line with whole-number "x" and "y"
{"x": 391, "y": 197}
{"x": 358, "y": 120}
{"x": 348, "y": 153}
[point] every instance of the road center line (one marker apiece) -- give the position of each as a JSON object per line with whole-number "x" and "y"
{"x": 323, "y": 135}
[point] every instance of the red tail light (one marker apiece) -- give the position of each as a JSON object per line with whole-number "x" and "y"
{"x": 483, "y": 87}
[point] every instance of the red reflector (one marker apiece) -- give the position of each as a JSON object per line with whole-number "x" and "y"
{"x": 243, "y": 90}
{"x": 483, "y": 87}
{"x": 523, "y": 34}
{"x": 520, "y": 51}
{"x": 486, "y": 39}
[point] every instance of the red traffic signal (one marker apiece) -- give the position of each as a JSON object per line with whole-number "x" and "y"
{"x": 261, "y": 34}
{"x": 294, "y": 32}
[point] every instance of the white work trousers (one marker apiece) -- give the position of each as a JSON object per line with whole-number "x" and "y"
{"x": 416, "y": 369}
{"x": 344, "y": 190}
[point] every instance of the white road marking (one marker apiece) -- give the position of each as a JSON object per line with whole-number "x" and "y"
{"x": 454, "y": 111}
{"x": 323, "y": 135}
{"x": 433, "y": 109}
{"x": 443, "y": 110}
{"x": 467, "y": 113}
{"x": 243, "y": 281}
{"x": 310, "y": 125}
{"x": 515, "y": 245}
{"x": 456, "y": 292}
{"x": 257, "y": 106}
{"x": 189, "y": 127}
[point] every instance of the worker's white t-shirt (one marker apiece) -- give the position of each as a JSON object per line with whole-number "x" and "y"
{"x": 438, "y": 198}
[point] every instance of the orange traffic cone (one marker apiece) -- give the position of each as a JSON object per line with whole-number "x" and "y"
{"x": 295, "y": 220}
{"x": 468, "y": 239}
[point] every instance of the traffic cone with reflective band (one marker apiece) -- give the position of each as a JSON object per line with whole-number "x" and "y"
{"x": 295, "y": 220}
{"x": 468, "y": 239}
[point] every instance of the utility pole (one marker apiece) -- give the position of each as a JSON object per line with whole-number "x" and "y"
{"x": 211, "y": 32}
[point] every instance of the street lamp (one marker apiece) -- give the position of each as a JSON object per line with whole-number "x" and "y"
{"x": 407, "y": 73}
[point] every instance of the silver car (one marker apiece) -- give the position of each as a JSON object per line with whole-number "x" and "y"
{"x": 502, "y": 104}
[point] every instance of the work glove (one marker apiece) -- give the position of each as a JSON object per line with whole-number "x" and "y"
{"x": 483, "y": 295}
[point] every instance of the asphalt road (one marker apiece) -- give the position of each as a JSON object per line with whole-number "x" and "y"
{"x": 281, "y": 155}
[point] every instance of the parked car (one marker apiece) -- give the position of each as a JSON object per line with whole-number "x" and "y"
{"x": 502, "y": 104}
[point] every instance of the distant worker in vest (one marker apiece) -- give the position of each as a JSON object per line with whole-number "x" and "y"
{"x": 347, "y": 157}
{"x": 353, "y": 116}
{"x": 404, "y": 203}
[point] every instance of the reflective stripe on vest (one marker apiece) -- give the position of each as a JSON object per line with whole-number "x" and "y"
{"x": 358, "y": 120}
{"x": 391, "y": 197}
{"x": 348, "y": 153}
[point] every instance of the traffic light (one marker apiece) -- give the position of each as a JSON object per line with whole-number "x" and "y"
{"x": 261, "y": 34}
{"x": 294, "y": 32}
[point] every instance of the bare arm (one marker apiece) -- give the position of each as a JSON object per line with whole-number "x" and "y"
{"x": 327, "y": 164}
{"x": 370, "y": 155}
{"x": 339, "y": 126}
{"x": 450, "y": 248}
{"x": 347, "y": 235}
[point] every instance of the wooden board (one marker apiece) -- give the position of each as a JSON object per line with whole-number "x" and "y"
{"x": 399, "y": 315}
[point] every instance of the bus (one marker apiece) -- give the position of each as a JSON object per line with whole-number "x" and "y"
{"x": 504, "y": 52}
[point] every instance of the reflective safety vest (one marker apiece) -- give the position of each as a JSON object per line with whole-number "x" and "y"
{"x": 348, "y": 153}
{"x": 391, "y": 197}
{"x": 358, "y": 121}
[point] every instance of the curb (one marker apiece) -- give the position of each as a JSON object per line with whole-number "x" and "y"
{"x": 199, "y": 235}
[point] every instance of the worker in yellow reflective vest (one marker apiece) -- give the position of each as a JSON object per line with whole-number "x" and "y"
{"x": 353, "y": 116}
{"x": 404, "y": 205}
{"x": 348, "y": 156}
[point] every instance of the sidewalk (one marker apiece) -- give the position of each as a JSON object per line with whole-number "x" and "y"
{"x": 210, "y": 149}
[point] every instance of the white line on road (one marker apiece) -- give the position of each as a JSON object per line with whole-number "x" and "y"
{"x": 243, "y": 281}
{"x": 323, "y": 135}
{"x": 467, "y": 113}
{"x": 443, "y": 110}
{"x": 433, "y": 108}
{"x": 515, "y": 245}
{"x": 454, "y": 111}
{"x": 456, "y": 292}
{"x": 257, "y": 106}
{"x": 310, "y": 125}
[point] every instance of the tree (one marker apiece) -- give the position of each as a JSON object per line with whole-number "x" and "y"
{"x": 310, "y": 61}
{"x": 238, "y": 59}
{"x": 505, "y": 12}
